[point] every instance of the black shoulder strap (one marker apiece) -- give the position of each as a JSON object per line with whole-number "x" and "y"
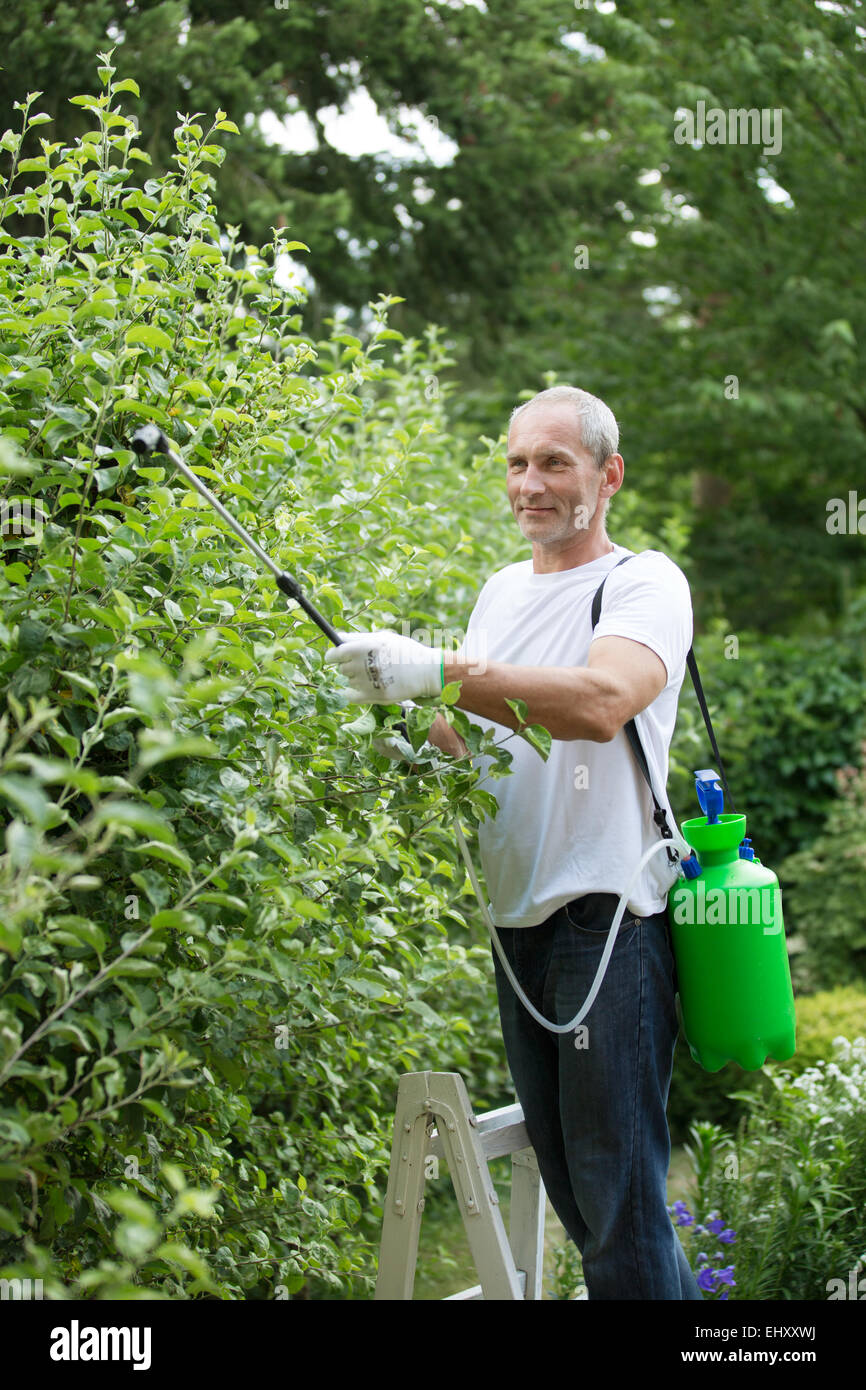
{"x": 659, "y": 814}
{"x": 699, "y": 691}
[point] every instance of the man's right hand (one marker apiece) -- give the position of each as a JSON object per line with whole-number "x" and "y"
{"x": 446, "y": 737}
{"x": 440, "y": 734}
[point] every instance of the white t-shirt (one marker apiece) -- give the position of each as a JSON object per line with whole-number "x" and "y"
{"x": 579, "y": 822}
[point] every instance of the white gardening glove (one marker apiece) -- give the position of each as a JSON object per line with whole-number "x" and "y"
{"x": 384, "y": 668}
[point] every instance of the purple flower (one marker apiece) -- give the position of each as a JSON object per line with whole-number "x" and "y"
{"x": 707, "y": 1280}
{"x": 683, "y": 1215}
{"x": 703, "y": 1259}
{"x": 715, "y": 1226}
{"x": 723, "y": 1296}
{"x": 727, "y": 1237}
{"x": 726, "y": 1275}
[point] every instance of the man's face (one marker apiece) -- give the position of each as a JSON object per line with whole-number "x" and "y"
{"x": 553, "y": 482}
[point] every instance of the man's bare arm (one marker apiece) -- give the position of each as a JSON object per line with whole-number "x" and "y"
{"x": 621, "y": 678}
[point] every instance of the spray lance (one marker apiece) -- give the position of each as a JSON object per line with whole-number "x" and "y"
{"x": 149, "y": 439}
{"x": 701, "y": 960}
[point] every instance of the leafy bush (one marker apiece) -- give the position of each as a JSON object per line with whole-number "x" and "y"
{"x": 793, "y": 1179}
{"x": 788, "y": 713}
{"x": 823, "y": 1017}
{"x": 825, "y": 904}
{"x": 566, "y": 1278}
{"x": 225, "y": 918}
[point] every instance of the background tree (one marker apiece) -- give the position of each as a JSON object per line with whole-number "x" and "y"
{"x": 717, "y": 300}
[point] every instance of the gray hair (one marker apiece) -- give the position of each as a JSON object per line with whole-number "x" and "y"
{"x": 599, "y": 432}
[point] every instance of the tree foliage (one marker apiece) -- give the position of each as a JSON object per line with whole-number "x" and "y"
{"x": 713, "y": 295}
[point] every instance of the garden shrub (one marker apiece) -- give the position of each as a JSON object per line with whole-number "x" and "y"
{"x": 791, "y": 1184}
{"x": 788, "y": 713}
{"x": 825, "y": 904}
{"x": 823, "y": 1017}
{"x": 225, "y": 918}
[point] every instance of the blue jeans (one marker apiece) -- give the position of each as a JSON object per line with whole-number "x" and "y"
{"x": 596, "y": 1114}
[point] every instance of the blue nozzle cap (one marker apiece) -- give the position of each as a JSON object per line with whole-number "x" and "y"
{"x": 746, "y": 851}
{"x": 710, "y": 794}
{"x": 691, "y": 867}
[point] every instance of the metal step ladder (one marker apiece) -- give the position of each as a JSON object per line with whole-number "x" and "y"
{"x": 434, "y": 1120}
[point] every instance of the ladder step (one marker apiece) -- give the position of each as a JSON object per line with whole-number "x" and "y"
{"x": 476, "y": 1290}
{"x": 501, "y": 1132}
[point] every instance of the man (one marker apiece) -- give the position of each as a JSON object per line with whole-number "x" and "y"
{"x": 569, "y": 831}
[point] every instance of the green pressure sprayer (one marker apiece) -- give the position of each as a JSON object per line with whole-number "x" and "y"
{"x": 725, "y": 909}
{"x": 728, "y": 936}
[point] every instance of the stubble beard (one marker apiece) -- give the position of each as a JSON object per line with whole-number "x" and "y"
{"x": 565, "y": 531}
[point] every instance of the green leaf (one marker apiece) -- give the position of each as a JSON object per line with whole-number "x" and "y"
{"x": 170, "y": 854}
{"x": 367, "y": 985}
{"x": 32, "y": 636}
{"x": 305, "y": 907}
{"x": 11, "y": 938}
{"x": 9, "y": 1223}
{"x": 162, "y": 745}
{"x": 520, "y": 708}
{"x": 156, "y": 1108}
{"x": 130, "y": 966}
{"x": 538, "y": 737}
{"x": 130, "y": 1206}
{"x": 178, "y": 919}
{"x": 135, "y": 1238}
{"x": 364, "y": 724}
{"x": 28, "y": 797}
{"x": 84, "y": 681}
{"x": 49, "y": 317}
{"x": 120, "y": 715}
{"x": 174, "y": 1253}
{"x": 78, "y": 929}
{"x": 150, "y": 335}
{"x": 135, "y": 815}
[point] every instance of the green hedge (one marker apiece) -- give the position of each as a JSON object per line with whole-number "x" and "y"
{"x": 224, "y": 919}
{"x": 824, "y": 905}
{"x": 789, "y": 714}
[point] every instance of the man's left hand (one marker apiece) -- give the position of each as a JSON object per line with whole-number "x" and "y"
{"x": 384, "y": 668}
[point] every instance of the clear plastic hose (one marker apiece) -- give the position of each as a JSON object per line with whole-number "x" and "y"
{"x": 679, "y": 847}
